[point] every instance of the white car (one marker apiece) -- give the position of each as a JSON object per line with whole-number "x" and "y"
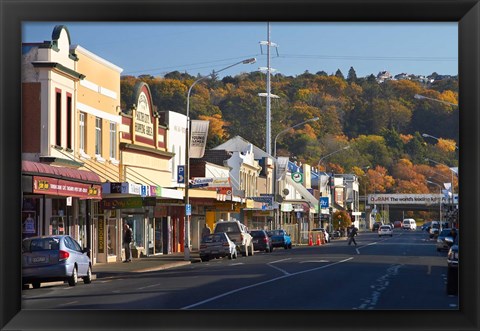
{"x": 385, "y": 230}
{"x": 409, "y": 224}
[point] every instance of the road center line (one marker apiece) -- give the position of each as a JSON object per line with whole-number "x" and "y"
{"x": 262, "y": 283}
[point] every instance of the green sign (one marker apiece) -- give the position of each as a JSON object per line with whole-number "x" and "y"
{"x": 297, "y": 177}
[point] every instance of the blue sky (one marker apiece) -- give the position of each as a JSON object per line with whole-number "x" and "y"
{"x": 200, "y": 48}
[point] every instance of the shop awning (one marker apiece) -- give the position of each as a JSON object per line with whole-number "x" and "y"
{"x": 60, "y": 181}
{"x": 40, "y": 169}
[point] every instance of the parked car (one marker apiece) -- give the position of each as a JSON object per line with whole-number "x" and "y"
{"x": 434, "y": 229}
{"x": 442, "y": 243}
{"x": 376, "y": 226}
{"x": 324, "y": 234}
{"x": 280, "y": 238}
{"x": 397, "y": 224}
{"x": 217, "y": 245}
{"x": 385, "y": 230}
{"x": 238, "y": 233}
{"x": 261, "y": 241}
{"x": 409, "y": 224}
{"x": 54, "y": 258}
{"x": 452, "y": 263}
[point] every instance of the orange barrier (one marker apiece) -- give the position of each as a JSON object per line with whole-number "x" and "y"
{"x": 318, "y": 240}
{"x": 310, "y": 242}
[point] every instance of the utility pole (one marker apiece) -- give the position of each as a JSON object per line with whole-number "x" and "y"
{"x": 268, "y": 95}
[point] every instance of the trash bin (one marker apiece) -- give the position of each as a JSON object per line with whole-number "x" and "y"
{"x": 452, "y": 281}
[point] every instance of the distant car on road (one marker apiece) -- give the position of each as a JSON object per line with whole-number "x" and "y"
{"x": 442, "y": 243}
{"x": 426, "y": 226}
{"x": 385, "y": 230}
{"x": 54, "y": 258}
{"x": 261, "y": 241}
{"x": 280, "y": 238}
{"x": 376, "y": 226}
{"x": 434, "y": 229}
{"x": 217, "y": 245}
{"x": 397, "y": 224}
{"x": 409, "y": 224}
{"x": 238, "y": 233}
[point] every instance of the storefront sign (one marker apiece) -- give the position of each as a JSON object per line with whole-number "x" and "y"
{"x": 29, "y": 222}
{"x": 224, "y": 190}
{"x": 101, "y": 235}
{"x": 127, "y": 203}
{"x": 220, "y": 182}
{"x": 286, "y": 207}
{"x": 410, "y": 199}
{"x": 47, "y": 185}
{"x": 143, "y": 120}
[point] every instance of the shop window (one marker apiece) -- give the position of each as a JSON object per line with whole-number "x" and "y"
{"x": 69, "y": 121}
{"x": 98, "y": 136}
{"x": 58, "y": 118}
{"x": 82, "y": 132}
{"x": 112, "y": 237}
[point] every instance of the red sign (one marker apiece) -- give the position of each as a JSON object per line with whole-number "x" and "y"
{"x": 53, "y": 186}
{"x": 224, "y": 190}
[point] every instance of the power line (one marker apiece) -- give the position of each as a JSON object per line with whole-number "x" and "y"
{"x": 372, "y": 58}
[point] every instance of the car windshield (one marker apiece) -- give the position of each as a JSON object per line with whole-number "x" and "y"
{"x": 257, "y": 234}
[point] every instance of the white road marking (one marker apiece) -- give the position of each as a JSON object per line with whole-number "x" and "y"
{"x": 238, "y": 263}
{"x": 358, "y": 252}
{"x": 279, "y": 269}
{"x": 142, "y": 288}
{"x": 262, "y": 283}
{"x": 380, "y": 285}
{"x": 280, "y": 260}
{"x": 68, "y": 303}
{"x": 315, "y": 261}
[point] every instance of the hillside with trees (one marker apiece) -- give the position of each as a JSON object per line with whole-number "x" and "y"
{"x": 382, "y": 122}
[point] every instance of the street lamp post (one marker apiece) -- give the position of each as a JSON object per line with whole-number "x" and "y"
{"x": 418, "y": 96}
{"x": 187, "y": 156}
{"x": 451, "y": 184}
{"x": 287, "y": 129}
{"x": 331, "y": 193}
{"x": 275, "y": 156}
{"x": 425, "y": 135}
{"x": 440, "y": 202}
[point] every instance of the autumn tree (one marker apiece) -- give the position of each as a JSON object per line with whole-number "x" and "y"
{"x": 341, "y": 220}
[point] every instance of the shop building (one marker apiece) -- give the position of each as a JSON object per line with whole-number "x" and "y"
{"x": 60, "y": 190}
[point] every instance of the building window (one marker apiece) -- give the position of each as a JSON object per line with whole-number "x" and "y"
{"x": 98, "y": 136}
{"x": 58, "y": 118}
{"x": 69, "y": 121}
{"x": 113, "y": 140}
{"x": 82, "y": 131}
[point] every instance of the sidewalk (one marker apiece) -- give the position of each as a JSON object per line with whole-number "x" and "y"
{"x": 143, "y": 264}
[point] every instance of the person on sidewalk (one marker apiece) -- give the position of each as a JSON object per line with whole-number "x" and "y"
{"x": 127, "y": 240}
{"x": 205, "y": 231}
{"x": 352, "y": 234}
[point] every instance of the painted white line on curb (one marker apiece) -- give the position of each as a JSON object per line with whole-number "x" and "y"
{"x": 262, "y": 283}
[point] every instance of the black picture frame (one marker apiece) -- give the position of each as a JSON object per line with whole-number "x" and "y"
{"x": 466, "y": 13}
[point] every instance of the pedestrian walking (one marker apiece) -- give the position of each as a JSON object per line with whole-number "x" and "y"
{"x": 352, "y": 234}
{"x": 127, "y": 240}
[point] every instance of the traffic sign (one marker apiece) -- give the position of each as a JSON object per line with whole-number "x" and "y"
{"x": 297, "y": 177}
{"x": 323, "y": 202}
{"x": 188, "y": 209}
{"x": 181, "y": 174}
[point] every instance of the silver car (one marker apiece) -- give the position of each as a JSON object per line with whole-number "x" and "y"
{"x": 53, "y": 258}
{"x": 217, "y": 245}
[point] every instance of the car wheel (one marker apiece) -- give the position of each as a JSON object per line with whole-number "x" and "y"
{"x": 205, "y": 259}
{"x": 245, "y": 250}
{"x": 285, "y": 246}
{"x": 88, "y": 278}
{"x": 72, "y": 281}
{"x": 290, "y": 246}
{"x": 36, "y": 284}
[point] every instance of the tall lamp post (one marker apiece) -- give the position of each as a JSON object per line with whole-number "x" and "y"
{"x": 425, "y": 135}
{"x": 452, "y": 172}
{"x": 275, "y": 156}
{"x": 331, "y": 193}
{"x": 187, "y": 157}
{"x": 440, "y": 202}
{"x": 287, "y": 129}
{"x": 418, "y": 96}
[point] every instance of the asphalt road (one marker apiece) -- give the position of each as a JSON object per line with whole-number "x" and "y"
{"x": 401, "y": 272}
